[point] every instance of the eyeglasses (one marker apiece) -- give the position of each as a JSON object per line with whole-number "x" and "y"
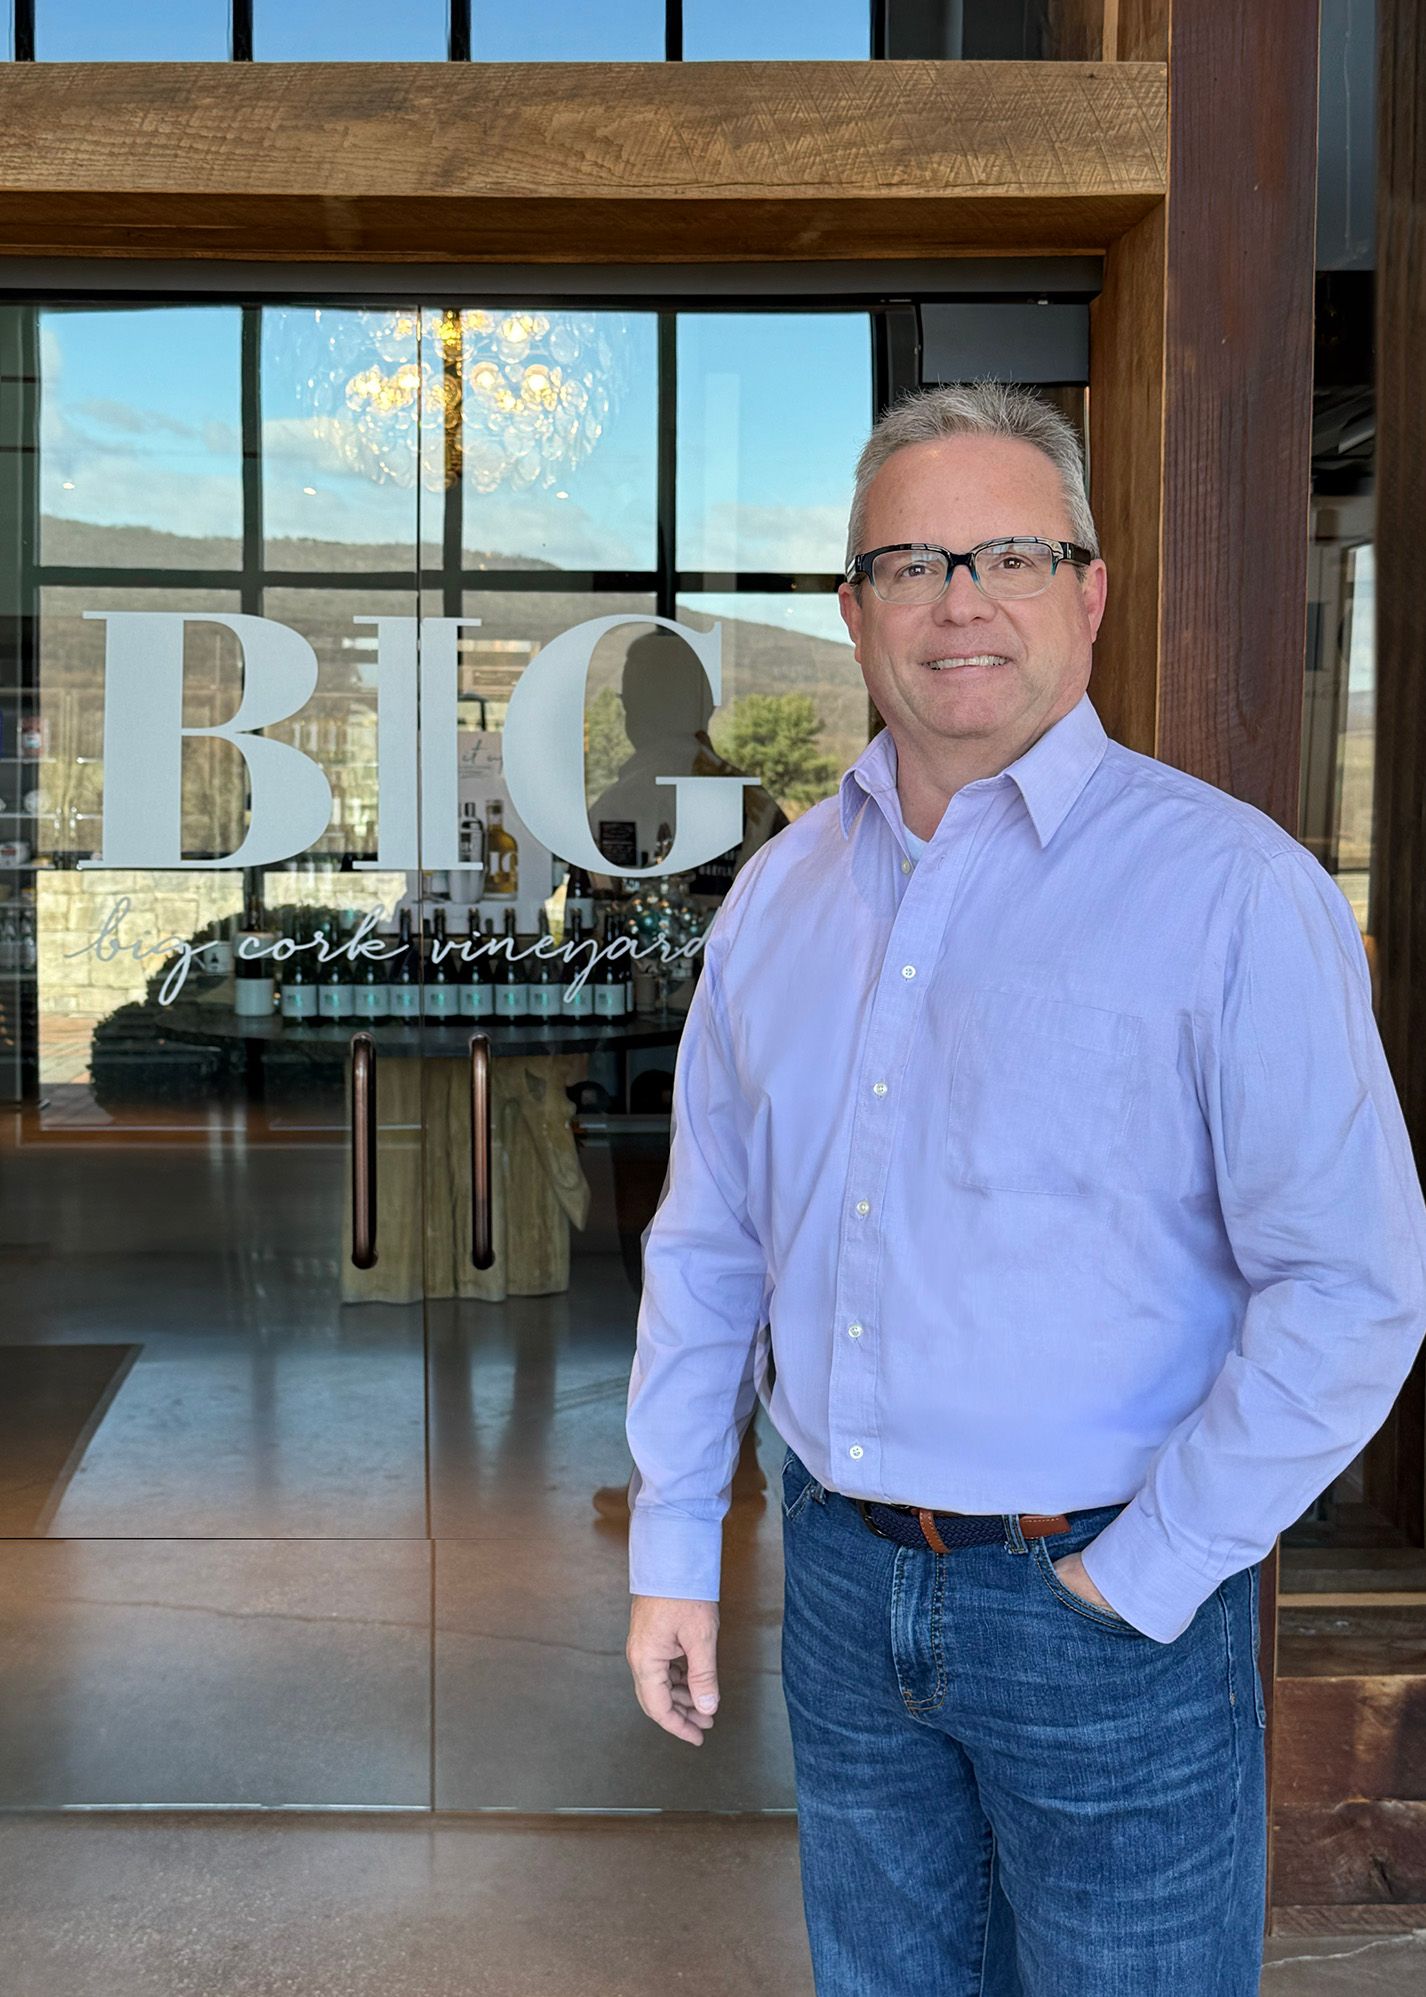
{"x": 913, "y": 572}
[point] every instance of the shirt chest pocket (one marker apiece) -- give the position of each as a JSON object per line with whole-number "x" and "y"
{"x": 1042, "y": 1090}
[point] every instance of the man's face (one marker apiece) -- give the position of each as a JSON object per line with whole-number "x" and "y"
{"x": 954, "y": 494}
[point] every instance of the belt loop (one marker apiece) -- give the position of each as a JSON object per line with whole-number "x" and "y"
{"x": 1014, "y": 1538}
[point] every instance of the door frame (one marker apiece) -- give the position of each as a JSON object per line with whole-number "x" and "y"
{"x": 1199, "y": 197}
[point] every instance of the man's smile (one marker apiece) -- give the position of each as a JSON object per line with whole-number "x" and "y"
{"x": 969, "y": 662}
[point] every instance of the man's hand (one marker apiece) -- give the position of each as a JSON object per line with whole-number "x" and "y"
{"x": 1070, "y": 1568}
{"x": 673, "y": 1652}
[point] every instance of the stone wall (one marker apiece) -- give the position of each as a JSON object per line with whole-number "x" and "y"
{"x": 87, "y": 937}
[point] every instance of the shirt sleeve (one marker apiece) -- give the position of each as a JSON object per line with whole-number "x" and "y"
{"x": 691, "y": 1391}
{"x": 1323, "y": 1210}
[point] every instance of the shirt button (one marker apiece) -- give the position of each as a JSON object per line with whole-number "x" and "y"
{"x": 855, "y": 1450}
{"x": 854, "y": 1331}
{"x": 863, "y": 1207}
{"x": 905, "y": 866}
{"x": 908, "y": 970}
{"x": 878, "y": 1088}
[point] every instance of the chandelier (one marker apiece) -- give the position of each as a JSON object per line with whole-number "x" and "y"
{"x": 513, "y": 398}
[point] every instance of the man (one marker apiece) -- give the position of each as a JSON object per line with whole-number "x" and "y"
{"x": 1032, "y": 1094}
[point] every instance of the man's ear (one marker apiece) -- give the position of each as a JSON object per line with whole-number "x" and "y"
{"x": 849, "y": 604}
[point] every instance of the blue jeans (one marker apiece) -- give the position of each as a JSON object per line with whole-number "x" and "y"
{"x": 1004, "y": 1791}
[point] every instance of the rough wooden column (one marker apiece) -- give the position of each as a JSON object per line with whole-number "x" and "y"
{"x": 1200, "y": 429}
{"x": 1396, "y": 1463}
{"x": 1201, "y": 402}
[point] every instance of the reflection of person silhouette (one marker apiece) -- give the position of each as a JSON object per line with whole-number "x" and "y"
{"x": 668, "y": 706}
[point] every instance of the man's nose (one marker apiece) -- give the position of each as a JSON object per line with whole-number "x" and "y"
{"x": 961, "y": 600}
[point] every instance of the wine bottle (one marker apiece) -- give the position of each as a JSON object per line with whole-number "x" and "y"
{"x": 336, "y": 991}
{"x": 442, "y": 992}
{"x": 371, "y": 998}
{"x": 254, "y": 987}
{"x": 502, "y": 853}
{"x": 608, "y": 981}
{"x": 511, "y": 991}
{"x": 404, "y": 981}
{"x": 476, "y": 989}
{"x": 579, "y": 1003}
{"x": 299, "y": 987}
{"x": 472, "y": 836}
{"x": 542, "y": 993}
{"x": 579, "y": 897}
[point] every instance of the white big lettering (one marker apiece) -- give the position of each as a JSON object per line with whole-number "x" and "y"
{"x": 543, "y": 756}
{"x": 289, "y": 797}
{"x": 290, "y": 800}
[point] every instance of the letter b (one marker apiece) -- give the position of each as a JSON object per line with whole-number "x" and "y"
{"x": 290, "y": 800}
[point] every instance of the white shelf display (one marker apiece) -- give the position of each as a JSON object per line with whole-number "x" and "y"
{"x": 479, "y": 780}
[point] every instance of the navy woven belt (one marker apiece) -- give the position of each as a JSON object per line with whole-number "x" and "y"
{"x": 912, "y": 1525}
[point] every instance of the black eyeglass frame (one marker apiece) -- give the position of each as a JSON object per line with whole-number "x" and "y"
{"x": 1060, "y": 551}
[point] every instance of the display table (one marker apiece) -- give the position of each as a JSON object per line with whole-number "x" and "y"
{"x": 539, "y": 1191}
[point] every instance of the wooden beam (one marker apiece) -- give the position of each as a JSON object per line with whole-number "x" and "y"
{"x": 586, "y": 162}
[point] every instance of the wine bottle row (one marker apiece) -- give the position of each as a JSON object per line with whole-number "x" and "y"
{"x": 435, "y": 975}
{"x": 17, "y": 936}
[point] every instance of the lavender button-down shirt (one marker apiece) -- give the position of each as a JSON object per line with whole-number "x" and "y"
{"x": 1060, "y": 1168}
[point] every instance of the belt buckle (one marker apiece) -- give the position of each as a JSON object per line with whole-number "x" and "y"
{"x": 924, "y": 1518}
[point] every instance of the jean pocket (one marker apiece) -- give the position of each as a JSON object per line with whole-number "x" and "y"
{"x": 798, "y": 1484}
{"x": 1043, "y": 1561}
{"x": 1041, "y": 1093}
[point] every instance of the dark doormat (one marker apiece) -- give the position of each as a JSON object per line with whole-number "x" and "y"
{"x": 52, "y": 1400}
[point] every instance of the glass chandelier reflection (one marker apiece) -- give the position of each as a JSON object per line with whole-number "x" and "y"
{"x": 512, "y": 398}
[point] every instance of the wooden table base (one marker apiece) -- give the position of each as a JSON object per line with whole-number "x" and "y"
{"x": 423, "y": 1235}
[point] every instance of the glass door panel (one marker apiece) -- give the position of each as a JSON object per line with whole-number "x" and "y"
{"x": 215, "y": 1564}
{"x": 567, "y": 536}
{"x": 291, "y": 594}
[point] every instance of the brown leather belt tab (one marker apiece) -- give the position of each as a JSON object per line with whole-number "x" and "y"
{"x": 943, "y": 1531}
{"x": 1039, "y": 1525}
{"x": 928, "y": 1528}
{"x": 1034, "y": 1525}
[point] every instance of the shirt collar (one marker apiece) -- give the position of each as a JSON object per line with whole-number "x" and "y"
{"x": 1050, "y": 775}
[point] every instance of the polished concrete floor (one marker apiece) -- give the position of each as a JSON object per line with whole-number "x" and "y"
{"x": 262, "y": 1549}
{"x": 255, "y": 1907}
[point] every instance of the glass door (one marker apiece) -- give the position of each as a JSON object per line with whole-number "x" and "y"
{"x": 215, "y": 1553}
{"x": 637, "y": 600}
{"x": 388, "y": 698}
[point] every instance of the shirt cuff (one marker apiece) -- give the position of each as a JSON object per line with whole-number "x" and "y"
{"x": 1142, "y": 1578}
{"x": 674, "y": 1555}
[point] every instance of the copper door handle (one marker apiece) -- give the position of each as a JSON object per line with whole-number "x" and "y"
{"x": 482, "y": 1248}
{"x": 363, "y": 1151}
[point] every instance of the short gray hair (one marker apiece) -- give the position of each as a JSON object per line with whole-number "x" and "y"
{"x": 976, "y": 409}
